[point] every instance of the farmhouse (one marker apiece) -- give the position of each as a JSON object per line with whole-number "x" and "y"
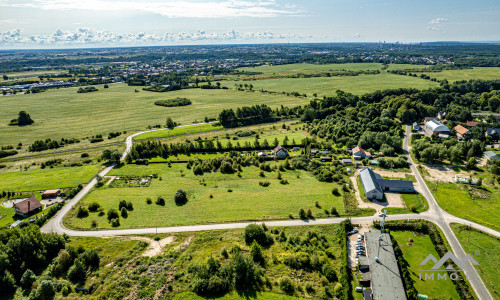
{"x": 280, "y": 152}
{"x": 462, "y": 131}
{"x": 375, "y": 186}
{"x": 435, "y": 127}
{"x": 51, "y": 193}
{"x": 359, "y": 153}
{"x": 27, "y": 207}
{"x": 494, "y": 133}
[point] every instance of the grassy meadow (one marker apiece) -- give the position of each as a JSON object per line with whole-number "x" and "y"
{"x": 457, "y": 199}
{"x": 485, "y": 73}
{"x": 414, "y": 255}
{"x": 178, "y": 131}
{"x": 63, "y": 113}
{"x": 304, "y": 68}
{"x": 44, "y": 179}
{"x": 233, "y": 198}
{"x": 327, "y": 86}
{"x": 486, "y": 251}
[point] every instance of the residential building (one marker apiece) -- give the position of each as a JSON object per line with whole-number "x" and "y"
{"x": 27, "y": 207}
{"x": 494, "y": 133}
{"x": 427, "y": 119}
{"x": 359, "y": 153}
{"x": 280, "y": 152}
{"x": 462, "y": 131}
{"x": 441, "y": 115}
{"x": 471, "y": 123}
{"x": 435, "y": 127}
{"x": 325, "y": 158}
{"x": 346, "y": 161}
{"x": 51, "y": 193}
{"x": 375, "y": 186}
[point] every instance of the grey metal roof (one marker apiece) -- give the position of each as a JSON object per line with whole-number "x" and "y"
{"x": 404, "y": 184}
{"x": 492, "y": 131}
{"x": 386, "y": 280}
{"x": 369, "y": 180}
{"x": 492, "y": 155}
{"x": 434, "y": 125}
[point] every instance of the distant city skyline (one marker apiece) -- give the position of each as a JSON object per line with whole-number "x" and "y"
{"x": 28, "y": 24}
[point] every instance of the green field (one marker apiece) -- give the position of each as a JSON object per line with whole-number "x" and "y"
{"x": 247, "y": 200}
{"x": 327, "y": 86}
{"x": 177, "y": 131}
{"x": 485, "y": 73}
{"x": 63, "y": 113}
{"x": 37, "y": 180}
{"x": 303, "y": 68}
{"x": 410, "y": 199}
{"x": 414, "y": 255}
{"x": 486, "y": 251}
{"x": 455, "y": 199}
{"x": 406, "y": 66}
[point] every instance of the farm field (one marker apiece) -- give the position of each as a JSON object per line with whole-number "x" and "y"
{"x": 303, "y": 68}
{"x": 327, "y": 86}
{"x": 485, "y": 73}
{"x": 486, "y": 251}
{"x": 177, "y": 131}
{"x": 64, "y": 113}
{"x": 43, "y": 179}
{"x": 455, "y": 199}
{"x": 414, "y": 255}
{"x": 233, "y": 198}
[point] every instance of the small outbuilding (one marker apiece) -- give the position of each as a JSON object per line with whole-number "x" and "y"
{"x": 28, "y": 207}
{"x": 325, "y": 158}
{"x": 51, "y": 193}
{"x": 280, "y": 152}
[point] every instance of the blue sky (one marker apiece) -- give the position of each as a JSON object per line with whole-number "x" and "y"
{"x": 79, "y": 23}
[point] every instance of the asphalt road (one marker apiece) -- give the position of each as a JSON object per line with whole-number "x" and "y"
{"x": 435, "y": 215}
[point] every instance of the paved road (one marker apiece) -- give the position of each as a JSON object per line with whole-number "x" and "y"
{"x": 435, "y": 214}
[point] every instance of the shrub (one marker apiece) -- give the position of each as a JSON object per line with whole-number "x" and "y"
{"x": 333, "y": 211}
{"x": 180, "y": 197}
{"x": 413, "y": 208}
{"x": 149, "y": 200}
{"x": 286, "y": 285}
{"x": 254, "y": 232}
{"x": 45, "y": 290}
{"x": 335, "y": 191}
{"x": 309, "y": 288}
{"x": 93, "y": 224}
{"x": 224, "y": 253}
{"x": 115, "y": 222}
{"x": 94, "y": 206}
{"x": 122, "y": 204}
{"x": 130, "y": 206}
{"x": 66, "y": 290}
{"x": 256, "y": 253}
{"x": 309, "y": 213}
{"x": 160, "y": 201}
{"x": 28, "y": 279}
{"x": 90, "y": 258}
{"x": 124, "y": 212}
{"x": 264, "y": 183}
{"x": 112, "y": 214}
{"x": 82, "y": 212}
{"x": 302, "y": 213}
{"x": 77, "y": 271}
{"x": 329, "y": 272}
{"x": 84, "y": 155}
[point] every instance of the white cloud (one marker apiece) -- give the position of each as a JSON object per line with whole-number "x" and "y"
{"x": 171, "y": 9}
{"x": 89, "y": 36}
{"x": 438, "y": 21}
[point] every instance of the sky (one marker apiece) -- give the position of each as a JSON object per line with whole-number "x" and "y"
{"x": 26, "y": 24}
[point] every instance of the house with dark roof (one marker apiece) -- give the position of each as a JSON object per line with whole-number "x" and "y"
{"x": 27, "y": 207}
{"x": 280, "y": 152}
{"x": 375, "y": 186}
{"x": 494, "y": 133}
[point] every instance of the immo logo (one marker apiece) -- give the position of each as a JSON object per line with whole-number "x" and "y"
{"x": 443, "y": 274}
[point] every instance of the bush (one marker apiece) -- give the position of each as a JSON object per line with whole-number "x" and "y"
{"x": 77, "y": 271}
{"x": 334, "y": 211}
{"x": 413, "y": 208}
{"x": 335, "y": 191}
{"x": 112, "y": 214}
{"x": 329, "y": 272}
{"x": 28, "y": 279}
{"x": 124, "y": 213}
{"x": 84, "y": 155}
{"x": 173, "y": 102}
{"x": 160, "y": 201}
{"x": 302, "y": 213}
{"x": 82, "y": 212}
{"x": 180, "y": 197}
{"x": 254, "y": 232}
{"x": 94, "y": 206}
{"x": 309, "y": 288}
{"x": 149, "y": 200}
{"x": 256, "y": 253}
{"x": 286, "y": 285}
{"x": 264, "y": 183}
{"x": 90, "y": 258}
{"x": 309, "y": 213}
{"x": 115, "y": 222}
{"x": 44, "y": 291}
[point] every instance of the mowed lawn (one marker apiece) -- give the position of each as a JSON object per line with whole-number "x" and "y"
{"x": 486, "y": 251}
{"x": 414, "y": 255}
{"x": 247, "y": 200}
{"x": 177, "y": 131}
{"x": 44, "y": 179}
{"x": 64, "y": 113}
{"x": 455, "y": 199}
{"x": 327, "y": 86}
{"x": 485, "y": 73}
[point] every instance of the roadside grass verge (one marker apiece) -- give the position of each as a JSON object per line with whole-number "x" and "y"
{"x": 486, "y": 251}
